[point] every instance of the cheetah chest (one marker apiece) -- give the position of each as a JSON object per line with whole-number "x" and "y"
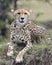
{"x": 21, "y": 35}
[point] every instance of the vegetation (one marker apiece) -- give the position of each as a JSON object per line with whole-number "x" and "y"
{"x": 40, "y": 13}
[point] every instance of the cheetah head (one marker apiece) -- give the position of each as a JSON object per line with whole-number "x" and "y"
{"x": 21, "y": 16}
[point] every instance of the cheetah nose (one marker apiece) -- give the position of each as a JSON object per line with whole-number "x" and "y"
{"x": 22, "y": 18}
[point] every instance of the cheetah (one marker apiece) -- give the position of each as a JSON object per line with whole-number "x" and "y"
{"x": 24, "y": 31}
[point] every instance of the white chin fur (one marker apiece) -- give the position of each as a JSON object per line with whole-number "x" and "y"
{"x": 21, "y": 24}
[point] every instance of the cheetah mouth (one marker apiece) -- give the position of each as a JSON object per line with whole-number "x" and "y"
{"x": 22, "y": 21}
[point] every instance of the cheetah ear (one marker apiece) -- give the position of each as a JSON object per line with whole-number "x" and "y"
{"x": 30, "y": 11}
{"x": 12, "y": 10}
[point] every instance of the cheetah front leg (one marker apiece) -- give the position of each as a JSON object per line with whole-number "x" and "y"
{"x": 10, "y": 49}
{"x": 19, "y": 57}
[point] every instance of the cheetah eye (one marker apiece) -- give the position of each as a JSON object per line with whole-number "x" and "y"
{"x": 25, "y": 13}
{"x": 18, "y": 13}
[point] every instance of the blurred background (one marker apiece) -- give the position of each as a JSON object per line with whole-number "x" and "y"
{"x": 40, "y": 13}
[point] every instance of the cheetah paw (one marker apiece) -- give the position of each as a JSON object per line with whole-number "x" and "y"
{"x": 19, "y": 59}
{"x": 10, "y": 53}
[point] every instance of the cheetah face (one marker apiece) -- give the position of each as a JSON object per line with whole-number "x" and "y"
{"x": 21, "y": 16}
